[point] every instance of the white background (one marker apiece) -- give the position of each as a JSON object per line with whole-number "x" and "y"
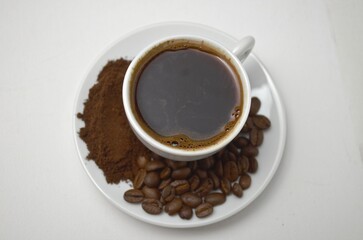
{"x": 313, "y": 51}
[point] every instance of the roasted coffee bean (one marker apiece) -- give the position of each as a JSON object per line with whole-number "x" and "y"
{"x": 139, "y": 178}
{"x": 164, "y": 183}
{"x": 181, "y": 173}
{"x": 253, "y": 165}
{"x": 155, "y": 156}
{"x": 256, "y": 137}
{"x": 233, "y": 149}
{"x": 168, "y": 193}
{"x": 220, "y": 154}
{"x": 152, "y": 179}
{"x": 191, "y": 199}
{"x": 186, "y": 212}
{"x": 250, "y": 151}
{"x": 230, "y": 171}
{"x": 162, "y": 200}
{"x": 181, "y": 186}
{"x": 152, "y": 206}
{"x": 194, "y": 182}
{"x": 245, "y": 181}
{"x": 225, "y": 157}
{"x": 241, "y": 142}
{"x": 202, "y": 174}
{"x": 215, "y": 198}
{"x": 259, "y": 138}
{"x": 174, "y": 206}
{"x": 253, "y": 134}
{"x": 153, "y": 193}
{"x": 248, "y": 125}
{"x": 232, "y": 157}
{"x": 204, "y": 210}
{"x": 180, "y": 164}
{"x": 245, "y": 128}
{"x": 205, "y": 187}
{"x": 165, "y": 173}
{"x": 154, "y": 165}
{"x": 239, "y": 166}
{"x": 206, "y": 163}
{"x": 261, "y": 122}
{"x": 142, "y": 161}
{"x": 133, "y": 196}
{"x": 242, "y": 164}
{"x": 176, "y": 164}
{"x": 214, "y": 178}
{"x": 218, "y": 168}
{"x": 255, "y": 106}
{"x": 237, "y": 190}
{"x": 225, "y": 186}
{"x": 193, "y": 165}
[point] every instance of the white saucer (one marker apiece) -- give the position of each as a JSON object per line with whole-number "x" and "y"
{"x": 262, "y": 86}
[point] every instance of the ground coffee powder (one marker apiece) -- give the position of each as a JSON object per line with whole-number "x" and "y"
{"x": 109, "y": 138}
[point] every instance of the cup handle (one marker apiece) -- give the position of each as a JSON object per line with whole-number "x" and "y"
{"x": 244, "y": 48}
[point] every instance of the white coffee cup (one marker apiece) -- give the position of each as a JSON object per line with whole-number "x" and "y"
{"x": 236, "y": 57}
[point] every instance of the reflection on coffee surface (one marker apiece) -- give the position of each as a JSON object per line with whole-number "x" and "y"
{"x": 188, "y": 98}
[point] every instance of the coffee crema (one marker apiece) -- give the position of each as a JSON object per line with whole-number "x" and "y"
{"x": 186, "y": 95}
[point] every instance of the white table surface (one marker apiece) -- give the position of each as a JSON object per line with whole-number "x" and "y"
{"x": 313, "y": 50}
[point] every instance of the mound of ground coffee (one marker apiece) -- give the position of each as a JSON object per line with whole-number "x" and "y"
{"x": 109, "y": 138}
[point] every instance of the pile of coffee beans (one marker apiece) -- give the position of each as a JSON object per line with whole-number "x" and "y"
{"x": 196, "y": 187}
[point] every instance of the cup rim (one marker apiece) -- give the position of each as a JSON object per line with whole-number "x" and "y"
{"x": 208, "y": 150}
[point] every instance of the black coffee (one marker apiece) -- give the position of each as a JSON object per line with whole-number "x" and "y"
{"x": 188, "y": 98}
